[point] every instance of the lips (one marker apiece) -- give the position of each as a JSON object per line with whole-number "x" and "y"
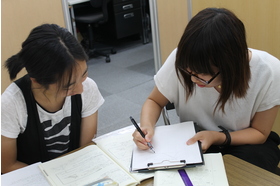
{"x": 201, "y": 86}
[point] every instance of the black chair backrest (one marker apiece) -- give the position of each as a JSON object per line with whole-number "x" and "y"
{"x": 96, "y": 3}
{"x": 101, "y": 4}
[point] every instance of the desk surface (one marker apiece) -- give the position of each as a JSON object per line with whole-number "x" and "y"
{"x": 240, "y": 172}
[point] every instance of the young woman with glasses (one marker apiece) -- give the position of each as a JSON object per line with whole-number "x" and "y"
{"x": 53, "y": 109}
{"x": 231, "y": 91}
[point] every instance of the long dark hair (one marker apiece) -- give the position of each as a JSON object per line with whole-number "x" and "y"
{"x": 48, "y": 54}
{"x": 215, "y": 37}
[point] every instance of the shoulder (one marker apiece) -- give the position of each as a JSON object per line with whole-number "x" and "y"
{"x": 171, "y": 58}
{"x": 264, "y": 84}
{"x": 12, "y": 94}
{"x": 264, "y": 60}
{"x": 265, "y": 65}
{"x": 169, "y": 65}
{"x": 166, "y": 78}
{"x": 13, "y": 117}
{"x": 89, "y": 83}
{"x": 90, "y": 89}
{"x": 91, "y": 97}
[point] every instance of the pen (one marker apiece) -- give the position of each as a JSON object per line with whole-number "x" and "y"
{"x": 141, "y": 132}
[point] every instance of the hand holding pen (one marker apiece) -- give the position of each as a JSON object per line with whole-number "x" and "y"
{"x": 141, "y": 132}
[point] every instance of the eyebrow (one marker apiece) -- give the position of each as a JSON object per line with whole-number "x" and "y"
{"x": 85, "y": 72}
{"x": 70, "y": 84}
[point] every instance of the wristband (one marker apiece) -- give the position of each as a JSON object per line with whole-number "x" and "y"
{"x": 227, "y": 142}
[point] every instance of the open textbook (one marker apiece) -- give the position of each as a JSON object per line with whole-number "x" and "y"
{"x": 211, "y": 173}
{"x": 171, "y": 150}
{"x": 111, "y": 158}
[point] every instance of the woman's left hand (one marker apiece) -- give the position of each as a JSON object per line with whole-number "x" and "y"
{"x": 207, "y": 138}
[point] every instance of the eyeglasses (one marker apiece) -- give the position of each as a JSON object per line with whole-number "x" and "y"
{"x": 202, "y": 80}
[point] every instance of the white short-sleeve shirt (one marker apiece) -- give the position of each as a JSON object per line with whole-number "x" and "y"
{"x": 263, "y": 94}
{"x": 14, "y": 111}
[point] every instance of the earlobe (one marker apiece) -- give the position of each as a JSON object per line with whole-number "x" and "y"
{"x": 33, "y": 80}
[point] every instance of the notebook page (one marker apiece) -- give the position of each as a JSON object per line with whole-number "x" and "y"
{"x": 84, "y": 166}
{"x": 170, "y": 146}
{"x": 119, "y": 147}
{"x": 27, "y": 176}
{"x": 212, "y": 173}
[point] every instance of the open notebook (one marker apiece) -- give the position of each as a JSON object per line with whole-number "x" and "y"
{"x": 111, "y": 158}
{"x": 211, "y": 173}
{"x": 171, "y": 150}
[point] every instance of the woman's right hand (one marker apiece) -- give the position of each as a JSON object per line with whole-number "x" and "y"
{"x": 141, "y": 142}
{"x": 150, "y": 113}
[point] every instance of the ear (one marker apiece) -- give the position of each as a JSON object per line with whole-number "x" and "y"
{"x": 33, "y": 80}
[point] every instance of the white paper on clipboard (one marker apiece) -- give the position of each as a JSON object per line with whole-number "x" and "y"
{"x": 170, "y": 147}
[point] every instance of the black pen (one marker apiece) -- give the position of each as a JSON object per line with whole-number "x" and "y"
{"x": 141, "y": 132}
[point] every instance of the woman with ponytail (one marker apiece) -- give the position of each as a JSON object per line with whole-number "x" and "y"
{"x": 53, "y": 108}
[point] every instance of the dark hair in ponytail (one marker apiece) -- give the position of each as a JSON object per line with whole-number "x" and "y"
{"x": 48, "y": 54}
{"x": 14, "y": 66}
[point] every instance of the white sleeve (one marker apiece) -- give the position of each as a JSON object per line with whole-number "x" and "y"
{"x": 91, "y": 98}
{"x": 271, "y": 89}
{"x": 13, "y": 112}
{"x": 166, "y": 78}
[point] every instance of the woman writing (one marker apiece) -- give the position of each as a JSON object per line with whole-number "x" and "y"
{"x": 214, "y": 79}
{"x": 53, "y": 109}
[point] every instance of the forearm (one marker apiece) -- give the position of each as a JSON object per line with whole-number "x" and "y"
{"x": 9, "y": 160}
{"x": 247, "y": 136}
{"x": 241, "y": 137}
{"x": 261, "y": 126}
{"x": 11, "y": 167}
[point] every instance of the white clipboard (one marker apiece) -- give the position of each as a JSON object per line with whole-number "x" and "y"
{"x": 171, "y": 150}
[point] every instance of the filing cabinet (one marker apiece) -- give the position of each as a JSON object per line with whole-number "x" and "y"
{"x": 126, "y": 17}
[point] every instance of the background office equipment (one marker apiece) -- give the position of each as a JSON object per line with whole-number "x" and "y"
{"x": 93, "y": 15}
{"x": 126, "y": 18}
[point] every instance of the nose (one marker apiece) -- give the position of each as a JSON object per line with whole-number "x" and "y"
{"x": 194, "y": 79}
{"x": 78, "y": 89}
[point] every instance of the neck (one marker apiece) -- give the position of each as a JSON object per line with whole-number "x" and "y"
{"x": 47, "y": 99}
{"x": 250, "y": 54}
{"x": 218, "y": 88}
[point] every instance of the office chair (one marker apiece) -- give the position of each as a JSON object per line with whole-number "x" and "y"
{"x": 164, "y": 112}
{"x": 93, "y": 16}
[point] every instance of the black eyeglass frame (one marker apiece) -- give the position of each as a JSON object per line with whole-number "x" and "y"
{"x": 202, "y": 80}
